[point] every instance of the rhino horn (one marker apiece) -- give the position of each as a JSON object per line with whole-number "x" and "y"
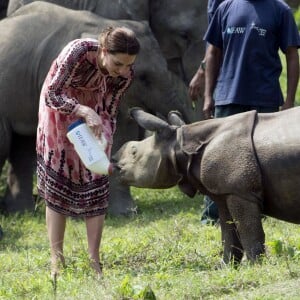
{"x": 150, "y": 122}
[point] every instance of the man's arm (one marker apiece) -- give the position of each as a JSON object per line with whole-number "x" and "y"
{"x": 213, "y": 63}
{"x": 196, "y": 86}
{"x": 292, "y": 64}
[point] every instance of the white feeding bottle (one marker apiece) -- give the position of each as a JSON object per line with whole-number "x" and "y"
{"x": 90, "y": 149}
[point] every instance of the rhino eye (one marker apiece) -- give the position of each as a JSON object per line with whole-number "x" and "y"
{"x": 184, "y": 35}
{"x": 145, "y": 79}
{"x": 133, "y": 150}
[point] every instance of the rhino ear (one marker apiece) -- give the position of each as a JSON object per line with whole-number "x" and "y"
{"x": 149, "y": 121}
{"x": 175, "y": 118}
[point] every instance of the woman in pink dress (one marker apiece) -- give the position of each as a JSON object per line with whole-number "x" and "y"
{"x": 87, "y": 81}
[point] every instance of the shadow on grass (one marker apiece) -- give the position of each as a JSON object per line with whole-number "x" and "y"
{"x": 153, "y": 205}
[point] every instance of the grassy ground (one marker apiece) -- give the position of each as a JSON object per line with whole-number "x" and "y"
{"x": 162, "y": 251}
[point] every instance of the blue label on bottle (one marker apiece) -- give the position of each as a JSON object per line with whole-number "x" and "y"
{"x": 75, "y": 124}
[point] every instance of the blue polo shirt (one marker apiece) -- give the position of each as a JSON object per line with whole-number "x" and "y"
{"x": 250, "y": 34}
{"x": 212, "y": 6}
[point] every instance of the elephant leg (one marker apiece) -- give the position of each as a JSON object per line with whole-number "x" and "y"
{"x": 247, "y": 218}
{"x": 1, "y": 233}
{"x": 176, "y": 66}
{"x": 120, "y": 199}
{"x": 233, "y": 249}
{"x": 22, "y": 158}
{"x": 5, "y": 146}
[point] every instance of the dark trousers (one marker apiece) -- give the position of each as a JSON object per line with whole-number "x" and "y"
{"x": 210, "y": 208}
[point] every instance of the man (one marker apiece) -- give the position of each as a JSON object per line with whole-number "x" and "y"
{"x": 242, "y": 60}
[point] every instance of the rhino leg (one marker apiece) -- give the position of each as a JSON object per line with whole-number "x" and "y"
{"x": 18, "y": 196}
{"x": 233, "y": 249}
{"x": 247, "y": 219}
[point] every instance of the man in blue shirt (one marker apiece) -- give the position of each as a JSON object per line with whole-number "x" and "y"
{"x": 242, "y": 61}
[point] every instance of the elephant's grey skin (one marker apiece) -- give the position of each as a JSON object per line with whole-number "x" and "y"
{"x": 178, "y": 25}
{"x": 249, "y": 164}
{"x": 30, "y": 39}
{"x": 112, "y": 9}
{"x": 293, "y": 3}
{"x": 3, "y": 8}
{"x": 1, "y": 233}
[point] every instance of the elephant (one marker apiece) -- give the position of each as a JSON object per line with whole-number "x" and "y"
{"x": 248, "y": 163}
{"x": 178, "y": 25}
{"x": 31, "y": 39}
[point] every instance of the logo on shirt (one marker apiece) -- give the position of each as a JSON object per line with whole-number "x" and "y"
{"x": 236, "y": 30}
{"x": 241, "y": 30}
{"x": 261, "y": 31}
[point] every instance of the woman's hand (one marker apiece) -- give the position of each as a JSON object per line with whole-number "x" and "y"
{"x": 91, "y": 118}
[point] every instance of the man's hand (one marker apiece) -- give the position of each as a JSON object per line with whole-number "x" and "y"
{"x": 287, "y": 104}
{"x": 196, "y": 86}
{"x": 208, "y": 108}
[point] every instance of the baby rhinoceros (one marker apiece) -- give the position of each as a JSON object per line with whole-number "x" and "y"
{"x": 248, "y": 163}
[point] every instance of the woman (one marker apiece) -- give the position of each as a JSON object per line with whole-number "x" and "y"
{"x": 86, "y": 81}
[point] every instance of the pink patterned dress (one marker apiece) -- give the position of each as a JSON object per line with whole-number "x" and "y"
{"x": 75, "y": 78}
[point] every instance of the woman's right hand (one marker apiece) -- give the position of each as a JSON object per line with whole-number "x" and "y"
{"x": 91, "y": 118}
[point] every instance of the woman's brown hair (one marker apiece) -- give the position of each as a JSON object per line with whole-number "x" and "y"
{"x": 119, "y": 40}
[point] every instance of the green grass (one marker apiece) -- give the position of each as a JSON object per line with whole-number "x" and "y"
{"x": 162, "y": 250}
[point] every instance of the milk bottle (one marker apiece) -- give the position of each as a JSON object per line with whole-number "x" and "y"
{"x": 90, "y": 149}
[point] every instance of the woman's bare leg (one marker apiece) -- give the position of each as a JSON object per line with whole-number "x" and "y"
{"x": 56, "y": 224}
{"x": 94, "y": 228}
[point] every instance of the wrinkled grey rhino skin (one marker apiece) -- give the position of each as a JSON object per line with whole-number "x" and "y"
{"x": 249, "y": 164}
{"x": 30, "y": 40}
{"x": 178, "y": 25}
